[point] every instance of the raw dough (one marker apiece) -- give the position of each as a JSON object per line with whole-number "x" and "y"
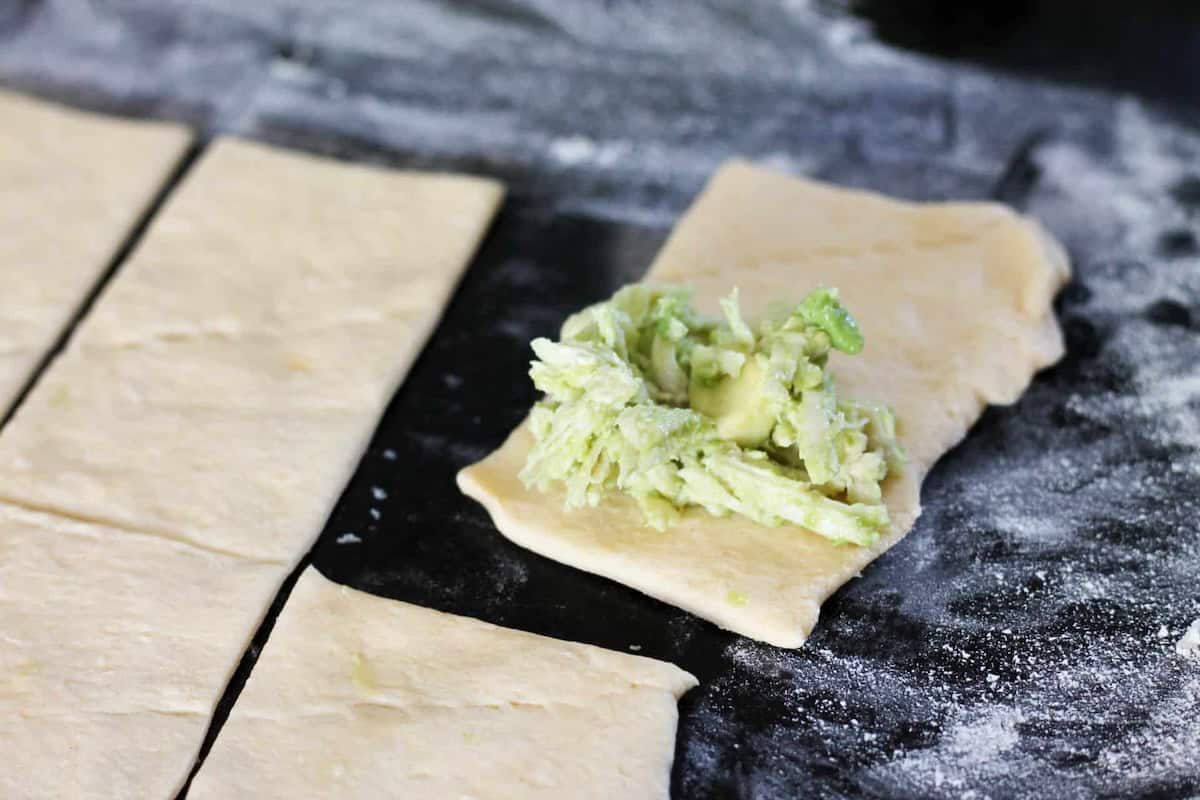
{"x": 955, "y": 302}
{"x": 193, "y": 438}
{"x": 357, "y": 696}
{"x": 71, "y": 188}
{"x": 116, "y": 647}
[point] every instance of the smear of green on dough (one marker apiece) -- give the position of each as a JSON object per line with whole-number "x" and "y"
{"x": 645, "y": 396}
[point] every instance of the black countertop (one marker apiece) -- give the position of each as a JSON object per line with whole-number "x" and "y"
{"x": 1020, "y": 641}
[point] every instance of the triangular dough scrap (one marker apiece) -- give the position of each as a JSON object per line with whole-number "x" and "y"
{"x": 116, "y": 648}
{"x": 72, "y": 185}
{"x": 358, "y": 696}
{"x": 955, "y": 302}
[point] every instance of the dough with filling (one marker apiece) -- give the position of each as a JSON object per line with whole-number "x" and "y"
{"x": 955, "y": 302}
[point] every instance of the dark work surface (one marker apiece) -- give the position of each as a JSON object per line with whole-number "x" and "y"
{"x": 1020, "y": 642}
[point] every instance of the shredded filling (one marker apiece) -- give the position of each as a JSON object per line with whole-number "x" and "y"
{"x": 647, "y": 397}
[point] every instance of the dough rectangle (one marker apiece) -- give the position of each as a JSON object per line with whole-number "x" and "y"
{"x": 358, "y": 696}
{"x": 117, "y": 645}
{"x": 72, "y": 186}
{"x": 193, "y": 437}
{"x": 955, "y": 302}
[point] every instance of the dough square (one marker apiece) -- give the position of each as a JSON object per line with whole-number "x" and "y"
{"x": 357, "y": 696}
{"x": 117, "y": 646}
{"x": 955, "y": 302}
{"x": 200, "y": 441}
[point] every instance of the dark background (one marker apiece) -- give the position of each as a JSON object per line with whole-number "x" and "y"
{"x": 1019, "y": 643}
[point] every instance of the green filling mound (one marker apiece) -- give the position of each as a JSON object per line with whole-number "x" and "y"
{"x": 645, "y": 396}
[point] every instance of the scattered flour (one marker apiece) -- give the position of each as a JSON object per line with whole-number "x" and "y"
{"x": 985, "y": 735}
{"x": 572, "y": 149}
{"x": 349, "y": 538}
{"x": 577, "y": 150}
{"x": 1122, "y": 198}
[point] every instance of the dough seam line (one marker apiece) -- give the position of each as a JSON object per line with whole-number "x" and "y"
{"x": 130, "y": 530}
{"x": 43, "y": 714}
{"x": 202, "y": 334}
{"x": 405, "y": 708}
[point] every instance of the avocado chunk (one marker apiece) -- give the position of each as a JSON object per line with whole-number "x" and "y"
{"x": 738, "y": 405}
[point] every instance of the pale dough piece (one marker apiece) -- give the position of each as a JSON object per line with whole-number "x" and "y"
{"x": 72, "y": 186}
{"x": 214, "y": 440}
{"x": 116, "y": 647}
{"x": 182, "y": 454}
{"x": 955, "y": 303}
{"x": 358, "y": 696}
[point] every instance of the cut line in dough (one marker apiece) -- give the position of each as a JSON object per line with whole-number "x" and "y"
{"x": 955, "y": 302}
{"x": 72, "y": 187}
{"x": 180, "y": 456}
{"x": 357, "y": 696}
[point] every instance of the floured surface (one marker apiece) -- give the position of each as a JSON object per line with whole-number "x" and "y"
{"x": 954, "y": 302}
{"x": 72, "y": 186}
{"x": 358, "y": 696}
{"x": 198, "y": 429}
